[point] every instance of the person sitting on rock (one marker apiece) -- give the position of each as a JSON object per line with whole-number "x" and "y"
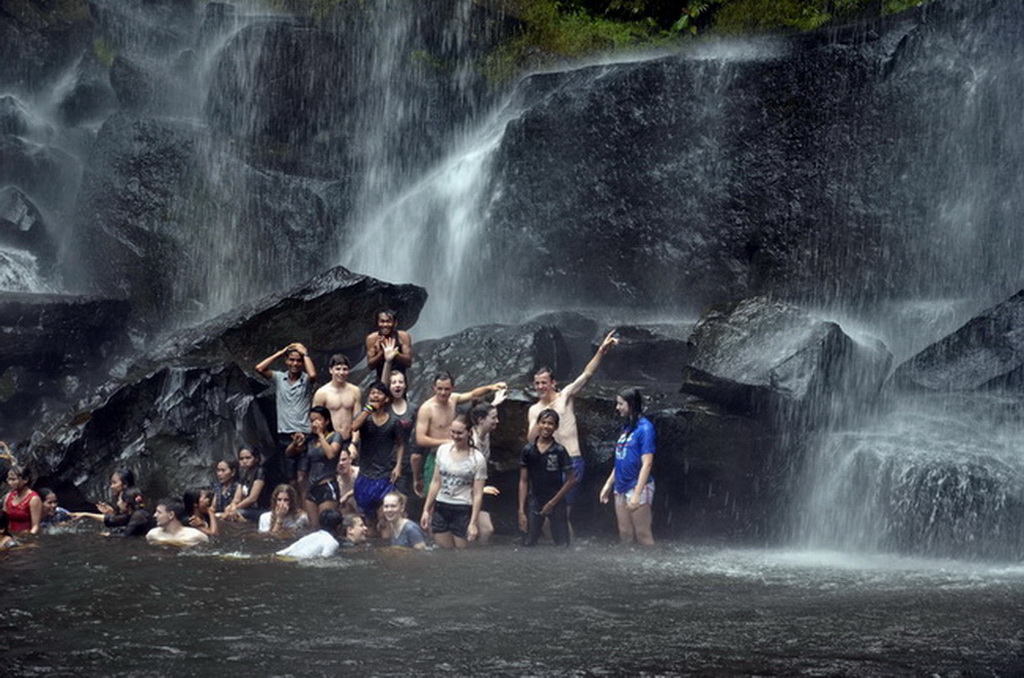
{"x": 388, "y": 334}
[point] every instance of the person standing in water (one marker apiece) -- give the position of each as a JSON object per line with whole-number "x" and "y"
{"x": 452, "y": 509}
{"x": 546, "y": 476}
{"x": 631, "y": 477}
{"x": 567, "y": 435}
{"x": 433, "y": 421}
{"x": 292, "y": 390}
{"x": 341, "y": 399}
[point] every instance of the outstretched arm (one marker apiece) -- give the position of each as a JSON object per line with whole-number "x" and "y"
{"x": 479, "y": 392}
{"x": 588, "y": 371}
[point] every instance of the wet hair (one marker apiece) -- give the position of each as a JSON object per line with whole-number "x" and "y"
{"x": 21, "y": 472}
{"x": 544, "y": 369}
{"x": 339, "y": 359}
{"x": 45, "y": 492}
{"x": 389, "y": 312}
{"x": 326, "y": 414}
{"x": 132, "y": 498}
{"x": 464, "y": 418}
{"x": 549, "y": 414}
{"x": 444, "y": 375}
{"x": 191, "y": 499}
{"x": 126, "y": 475}
{"x": 172, "y": 505}
{"x": 288, "y": 353}
{"x": 252, "y": 450}
{"x": 402, "y": 500}
{"x": 635, "y": 400}
{"x": 380, "y": 386}
{"x": 404, "y": 376}
{"x": 232, "y": 464}
{"x": 479, "y": 411}
{"x": 350, "y": 521}
{"x": 330, "y": 520}
{"x": 293, "y": 496}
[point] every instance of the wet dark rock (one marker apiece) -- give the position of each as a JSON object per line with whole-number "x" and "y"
{"x": 16, "y": 120}
{"x": 648, "y": 354}
{"x": 169, "y": 426}
{"x": 767, "y": 357}
{"x": 332, "y": 312}
{"x": 91, "y": 99}
{"x": 50, "y": 331}
{"x": 39, "y": 39}
{"x": 987, "y": 352}
{"x": 45, "y": 173}
{"x": 22, "y": 225}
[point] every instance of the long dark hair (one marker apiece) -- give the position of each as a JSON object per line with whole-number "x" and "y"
{"x": 132, "y": 498}
{"x": 635, "y": 401}
{"x": 326, "y": 414}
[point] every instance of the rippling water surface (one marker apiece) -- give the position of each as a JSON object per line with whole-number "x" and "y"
{"x": 78, "y": 604}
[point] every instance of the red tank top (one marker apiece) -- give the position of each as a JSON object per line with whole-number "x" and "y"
{"x": 18, "y": 514}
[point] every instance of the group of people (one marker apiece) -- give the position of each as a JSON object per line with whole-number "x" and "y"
{"x": 351, "y": 463}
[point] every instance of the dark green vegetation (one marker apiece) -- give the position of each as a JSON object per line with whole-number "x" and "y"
{"x": 553, "y": 29}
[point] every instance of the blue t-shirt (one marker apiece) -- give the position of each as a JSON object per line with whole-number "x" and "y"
{"x": 409, "y": 536}
{"x": 629, "y": 450}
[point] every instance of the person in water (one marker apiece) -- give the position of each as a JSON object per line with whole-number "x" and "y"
{"x": 452, "y": 509}
{"x": 561, "y": 401}
{"x": 388, "y": 336}
{"x": 199, "y": 509}
{"x": 356, "y": 531}
{"x": 322, "y": 445}
{"x": 546, "y": 476}
{"x": 381, "y": 449}
{"x": 631, "y": 479}
{"x": 341, "y": 399}
{"x": 399, "y": 530}
{"x": 433, "y": 421}
{"x": 347, "y": 473}
{"x": 250, "y": 498}
{"x": 108, "y": 513}
{"x": 484, "y": 418}
{"x": 226, "y": 487}
{"x": 169, "y": 528}
{"x": 131, "y": 518}
{"x": 319, "y": 544}
{"x": 23, "y": 506}
{"x": 285, "y": 515}
{"x": 292, "y": 390}
{"x": 405, "y": 413}
{"x": 53, "y": 513}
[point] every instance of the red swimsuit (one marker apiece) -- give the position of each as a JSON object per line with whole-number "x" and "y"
{"x": 18, "y": 514}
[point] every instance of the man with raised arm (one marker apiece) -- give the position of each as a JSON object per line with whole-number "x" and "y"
{"x": 561, "y": 402}
{"x": 388, "y": 333}
{"x": 292, "y": 391}
{"x": 433, "y": 420}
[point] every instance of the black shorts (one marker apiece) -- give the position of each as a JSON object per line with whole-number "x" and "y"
{"x": 452, "y": 518}
{"x": 328, "y": 491}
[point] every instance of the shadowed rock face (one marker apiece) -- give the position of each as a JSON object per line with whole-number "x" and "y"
{"x": 987, "y": 352}
{"x": 764, "y": 357}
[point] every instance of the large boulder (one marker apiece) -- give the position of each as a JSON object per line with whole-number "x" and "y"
{"x": 169, "y": 426}
{"x": 331, "y": 312}
{"x": 760, "y": 356}
{"x": 987, "y": 352}
{"x": 39, "y": 39}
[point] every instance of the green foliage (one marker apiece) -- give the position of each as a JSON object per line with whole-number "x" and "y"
{"x": 104, "y": 51}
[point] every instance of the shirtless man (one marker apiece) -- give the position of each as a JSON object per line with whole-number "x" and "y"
{"x": 292, "y": 390}
{"x": 561, "y": 402}
{"x": 169, "y": 528}
{"x": 388, "y": 334}
{"x": 341, "y": 398}
{"x": 433, "y": 420}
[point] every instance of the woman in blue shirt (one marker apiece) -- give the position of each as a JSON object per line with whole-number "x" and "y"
{"x": 631, "y": 477}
